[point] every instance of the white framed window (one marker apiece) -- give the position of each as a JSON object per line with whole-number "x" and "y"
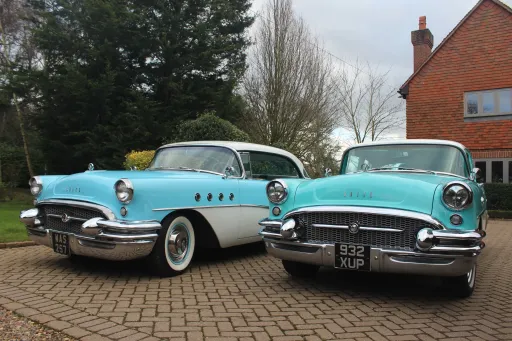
{"x": 495, "y": 170}
{"x": 485, "y": 103}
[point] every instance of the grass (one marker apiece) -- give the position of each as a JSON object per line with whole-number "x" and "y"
{"x": 11, "y": 229}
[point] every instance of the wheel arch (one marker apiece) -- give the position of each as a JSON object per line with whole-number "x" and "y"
{"x": 205, "y": 235}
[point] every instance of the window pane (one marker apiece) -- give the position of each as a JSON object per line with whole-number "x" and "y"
{"x": 267, "y": 166}
{"x": 497, "y": 171}
{"x": 482, "y": 166}
{"x": 472, "y": 103}
{"x": 488, "y": 102}
{"x": 505, "y": 100}
{"x": 437, "y": 158}
{"x": 510, "y": 172}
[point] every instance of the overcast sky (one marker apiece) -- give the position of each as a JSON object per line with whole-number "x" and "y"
{"x": 378, "y": 31}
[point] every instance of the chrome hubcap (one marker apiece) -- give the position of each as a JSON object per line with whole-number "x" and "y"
{"x": 178, "y": 243}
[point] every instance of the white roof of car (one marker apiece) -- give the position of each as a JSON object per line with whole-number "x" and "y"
{"x": 240, "y": 147}
{"x": 412, "y": 141}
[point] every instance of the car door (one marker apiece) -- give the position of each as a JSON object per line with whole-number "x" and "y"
{"x": 260, "y": 168}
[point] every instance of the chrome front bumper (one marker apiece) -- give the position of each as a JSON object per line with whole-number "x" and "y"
{"x": 438, "y": 252}
{"x": 99, "y": 238}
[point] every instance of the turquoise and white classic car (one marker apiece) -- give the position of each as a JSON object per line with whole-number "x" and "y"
{"x": 194, "y": 194}
{"x": 411, "y": 206}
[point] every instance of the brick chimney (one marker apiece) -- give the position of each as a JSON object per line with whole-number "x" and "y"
{"x": 422, "y": 40}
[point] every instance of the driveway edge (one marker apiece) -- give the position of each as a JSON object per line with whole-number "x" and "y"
{"x": 16, "y": 244}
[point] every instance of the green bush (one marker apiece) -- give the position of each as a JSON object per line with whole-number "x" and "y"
{"x": 499, "y": 196}
{"x": 140, "y": 159}
{"x": 209, "y": 127}
{"x": 500, "y": 214}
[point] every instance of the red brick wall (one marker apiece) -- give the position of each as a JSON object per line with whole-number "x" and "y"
{"x": 492, "y": 154}
{"x": 477, "y": 57}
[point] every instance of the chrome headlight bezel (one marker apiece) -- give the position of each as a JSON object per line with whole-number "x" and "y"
{"x": 463, "y": 186}
{"x": 36, "y": 185}
{"x": 283, "y": 189}
{"x": 127, "y": 189}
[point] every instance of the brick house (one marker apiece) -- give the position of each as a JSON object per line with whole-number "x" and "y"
{"x": 462, "y": 91}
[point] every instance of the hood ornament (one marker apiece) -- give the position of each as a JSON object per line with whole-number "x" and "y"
{"x": 90, "y": 167}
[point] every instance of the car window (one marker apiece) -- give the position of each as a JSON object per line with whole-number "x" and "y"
{"x": 207, "y": 158}
{"x": 268, "y": 166}
{"x": 440, "y": 158}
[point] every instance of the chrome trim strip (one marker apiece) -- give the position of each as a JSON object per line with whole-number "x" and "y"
{"x": 368, "y": 210}
{"x": 458, "y": 235}
{"x": 363, "y": 228}
{"x": 134, "y": 238}
{"x": 259, "y": 206}
{"x": 204, "y": 207}
{"x": 58, "y": 216}
{"x": 80, "y": 204}
{"x": 129, "y": 226}
{"x": 272, "y": 223}
{"x": 128, "y": 237}
{"x": 455, "y": 249}
{"x": 269, "y": 234}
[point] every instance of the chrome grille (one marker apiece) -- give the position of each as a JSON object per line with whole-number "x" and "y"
{"x": 404, "y": 240}
{"x": 72, "y": 226}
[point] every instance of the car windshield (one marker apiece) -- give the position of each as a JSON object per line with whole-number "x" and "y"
{"x": 196, "y": 158}
{"x": 432, "y": 158}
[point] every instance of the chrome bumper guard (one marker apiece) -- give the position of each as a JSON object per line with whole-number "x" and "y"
{"x": 438, "y": 252}
{"x": 99, "y": 238}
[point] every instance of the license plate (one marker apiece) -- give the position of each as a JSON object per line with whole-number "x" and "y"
{"x": 352, "y": 257}
{"x": 60, "y": 243}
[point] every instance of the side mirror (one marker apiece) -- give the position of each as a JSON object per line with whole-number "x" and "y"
{"x": 229, "y": 172}
{"x": 476, "y": 174}
{"x": 133, "y": 168}
{"x": 328, "y": 172}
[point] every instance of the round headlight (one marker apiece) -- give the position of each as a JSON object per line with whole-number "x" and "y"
{"x": 36, "y": 185}
{"x": 124, "y": 190}
{"x": 457, "y": 195}
{"x": 277, "y": 191}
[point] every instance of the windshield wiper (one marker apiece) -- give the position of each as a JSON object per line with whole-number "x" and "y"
{"x": 176, "y": 168}
{"x": 402, "y": 168}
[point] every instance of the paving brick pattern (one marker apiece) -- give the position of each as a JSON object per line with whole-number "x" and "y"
{"x": 243, "y": 294}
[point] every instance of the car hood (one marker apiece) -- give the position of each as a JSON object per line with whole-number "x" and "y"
{"x": 398, "y": 190}
{"x": 91, "y": 185}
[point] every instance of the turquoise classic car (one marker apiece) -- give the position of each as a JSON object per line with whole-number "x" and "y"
{"x": 194, "y": 194}
{"x": 411, "y": 206}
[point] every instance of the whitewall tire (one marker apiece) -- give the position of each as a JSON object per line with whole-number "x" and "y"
{"x": 174, "y": 248}
{"x": 462, "y": 286}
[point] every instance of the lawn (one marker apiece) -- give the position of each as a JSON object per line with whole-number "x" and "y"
{"x": 11, "y": 229}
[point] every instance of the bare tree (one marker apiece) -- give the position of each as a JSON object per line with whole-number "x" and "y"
{"x": 16, "y": 51}
{"x": 368, "y": 106}
{"x": 289, "y": 86}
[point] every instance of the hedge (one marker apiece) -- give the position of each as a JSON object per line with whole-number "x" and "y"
{"x": 500, "y": 214}
{"x": 139, "y": 159}
{"x": 499, "y": 196}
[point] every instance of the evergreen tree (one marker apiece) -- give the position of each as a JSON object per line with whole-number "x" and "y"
{"x": 119, "y": 75}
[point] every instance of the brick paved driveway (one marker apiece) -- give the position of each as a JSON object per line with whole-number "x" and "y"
{"x": 244, "y": 294}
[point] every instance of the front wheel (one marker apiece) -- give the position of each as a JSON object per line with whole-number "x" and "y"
{"x": 462, "y": 286}
{"x": 174, "y": 247}
{"x": 297, "y": 269}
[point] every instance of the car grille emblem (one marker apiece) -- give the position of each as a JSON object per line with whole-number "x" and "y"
{"x": 64, "y": 217}
{"x": 353, "y": 227}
